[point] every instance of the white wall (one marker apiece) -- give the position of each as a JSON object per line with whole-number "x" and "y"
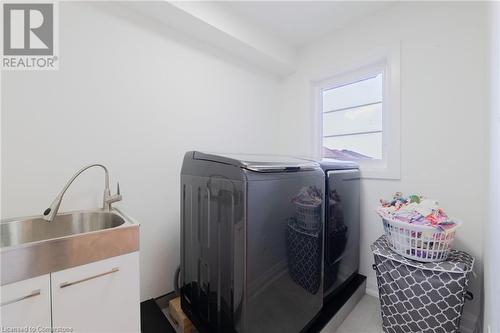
{"x": 135, "y": 96}
{"x": 443, "y": 112}
{"x": 492, "y": 229}
{"x": 130, "y": 95}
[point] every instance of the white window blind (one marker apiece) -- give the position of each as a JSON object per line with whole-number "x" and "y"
{"x": 352, "y": 117}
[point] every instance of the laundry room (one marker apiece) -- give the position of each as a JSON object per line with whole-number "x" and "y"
{"x": 250, "y": 166}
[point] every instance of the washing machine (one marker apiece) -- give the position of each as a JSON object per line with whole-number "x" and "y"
{"x": 342, "y": 224}
{"x": 252, "y": 242}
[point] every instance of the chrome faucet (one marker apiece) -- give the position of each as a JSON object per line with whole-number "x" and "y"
{"x": 50, "y": 213}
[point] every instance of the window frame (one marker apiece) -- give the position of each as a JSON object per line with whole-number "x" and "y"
{"x": 387, "y": 63}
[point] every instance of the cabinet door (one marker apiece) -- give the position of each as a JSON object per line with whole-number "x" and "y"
{"x": 98, "y": 297}
{"x": 26, "y": 304}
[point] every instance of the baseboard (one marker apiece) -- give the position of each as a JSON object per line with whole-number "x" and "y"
{"x": 371, "y": 288}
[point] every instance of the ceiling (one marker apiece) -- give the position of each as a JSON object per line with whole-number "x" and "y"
{"x": 300, "y": 22}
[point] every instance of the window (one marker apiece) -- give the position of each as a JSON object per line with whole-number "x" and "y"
{"x": 357, "y": 114}
{"x": 352, "y": 120}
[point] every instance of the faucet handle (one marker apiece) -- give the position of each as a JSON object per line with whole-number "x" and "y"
{"x": 117, "y": 196}
{"x": 109, "y": 199}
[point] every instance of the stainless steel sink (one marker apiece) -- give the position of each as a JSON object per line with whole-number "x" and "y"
{"x": 38, "y": 229}
{"x": 33, "y": 246}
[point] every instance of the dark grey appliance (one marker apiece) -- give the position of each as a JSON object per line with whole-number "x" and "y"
{"x": 251, "y": 244}
{"x": 341, "y": 257}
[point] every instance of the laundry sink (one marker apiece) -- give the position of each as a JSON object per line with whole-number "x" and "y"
{"x": 33, "y": 246}
{"x": 38, "y": 229}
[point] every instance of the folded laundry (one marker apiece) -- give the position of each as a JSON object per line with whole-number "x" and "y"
{"x": 415, "y": 209}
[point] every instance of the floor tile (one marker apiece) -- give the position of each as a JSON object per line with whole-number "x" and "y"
{"x": 364, "y": 318}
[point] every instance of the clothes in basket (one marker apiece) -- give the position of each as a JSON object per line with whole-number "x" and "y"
{"x": 304, "y": 256}
{"x": 421, "y": 297}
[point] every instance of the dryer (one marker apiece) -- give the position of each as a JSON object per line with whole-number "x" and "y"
{"x": 342, "y": 224}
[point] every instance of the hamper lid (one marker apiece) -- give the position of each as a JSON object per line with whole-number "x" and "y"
{"x": 457, "y": 262}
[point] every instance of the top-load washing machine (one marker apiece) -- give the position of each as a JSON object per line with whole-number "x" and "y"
{"x": 251, "y": 242}
{"x": 341, "y": 250}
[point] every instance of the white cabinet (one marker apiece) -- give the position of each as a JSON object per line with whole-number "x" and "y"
{"x": 102, "y": 296}
{"x": 26, "y": 304}
{"x": 98, "y": 297}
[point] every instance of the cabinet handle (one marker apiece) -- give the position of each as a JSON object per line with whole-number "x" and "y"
{"x": 67, "y": 284}
{"x": 33, "y": 294}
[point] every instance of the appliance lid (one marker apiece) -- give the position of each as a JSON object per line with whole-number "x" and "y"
{"x": 260, "y": 163}
{"x": 332, "y": 164}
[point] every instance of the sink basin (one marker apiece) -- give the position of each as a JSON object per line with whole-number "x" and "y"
{"x": 37, "y": 229}
{"x": 32, "y": 246}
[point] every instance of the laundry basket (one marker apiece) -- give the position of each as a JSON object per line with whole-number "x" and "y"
{"x": 419, "y": 242}
{"x": 421, "y": 297}
{"x": 304, "y": 256}
{"x": 308, "y": 215}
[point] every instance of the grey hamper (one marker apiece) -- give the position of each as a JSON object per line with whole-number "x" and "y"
{"x": 421, "y": 297}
